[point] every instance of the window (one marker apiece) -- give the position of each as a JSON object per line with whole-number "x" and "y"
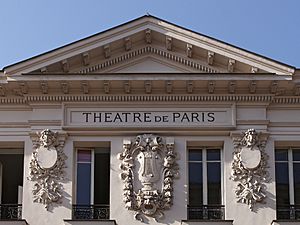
{"x": 92, "y": 183}
{"x": 11, "y": 161}
{"x": 205, "y": 184}
{"x": 287, "y": 169}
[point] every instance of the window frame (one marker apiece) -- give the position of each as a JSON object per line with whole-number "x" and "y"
{"x": 290, "y": 162}
{"x": 290, "y": 210}
{"x": 92, "y": 173}
{"x": 204, "y": 171}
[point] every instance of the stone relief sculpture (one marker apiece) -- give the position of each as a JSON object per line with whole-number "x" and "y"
{"x": 47, "y": 167}
{"x": 249, "y": 167}
{"x": 148, "y": 171}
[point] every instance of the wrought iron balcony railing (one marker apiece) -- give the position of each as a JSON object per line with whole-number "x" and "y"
{"x": 10, "y": 211}
{"x": 288, "y": 212}
{"x": 206, "y": 212}
{"x": 90, "y": 212}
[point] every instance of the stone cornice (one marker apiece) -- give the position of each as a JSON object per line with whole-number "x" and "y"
{"x": 147, "y": 76}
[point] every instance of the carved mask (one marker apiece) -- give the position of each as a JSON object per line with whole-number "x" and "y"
{"x": 148, "y": 169}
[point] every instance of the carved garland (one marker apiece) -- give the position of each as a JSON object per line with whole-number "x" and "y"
{"x": 148, "y": 170}
{"x": 47, "y": 167}
{"x": 249, "y": 167}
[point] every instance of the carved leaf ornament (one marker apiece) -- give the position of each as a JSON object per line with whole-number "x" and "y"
{"x": 148, "y": 171}
{"x": 249, "y": 167}
{"x": 46, "y": 167}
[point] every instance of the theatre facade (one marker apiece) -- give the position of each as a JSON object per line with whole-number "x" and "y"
{"x": 149, "y": 123}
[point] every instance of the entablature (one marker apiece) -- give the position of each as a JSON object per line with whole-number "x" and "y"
{"x": 149, "y": 83}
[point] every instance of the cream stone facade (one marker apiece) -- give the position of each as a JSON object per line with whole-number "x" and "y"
{"x": 149, "y": 122}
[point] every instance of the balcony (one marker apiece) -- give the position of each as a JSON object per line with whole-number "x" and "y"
{"x": 207, "y": 222}
{"x": 10, "y": 211}
{"x": 206, "y": 212}
{"x": 287, "y": 215}
{"x": 288, "y": 212}
{"x": 90, "y": 214}
{"x": 11, "y": 214}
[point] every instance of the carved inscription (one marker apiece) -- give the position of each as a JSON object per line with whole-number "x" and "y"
{"x": 148, "y": 117}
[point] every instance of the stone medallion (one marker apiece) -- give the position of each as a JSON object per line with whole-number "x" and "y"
{"x": 46, "y": 157}
{"x": 250, "y": 158}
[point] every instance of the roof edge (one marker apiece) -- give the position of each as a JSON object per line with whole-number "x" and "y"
{"x": 156, "y": 18}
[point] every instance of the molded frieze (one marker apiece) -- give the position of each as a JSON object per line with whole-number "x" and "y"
{"x": 47, "y": 167}
{"x": 249, "y": 167}
{"x": 148, "y": 171}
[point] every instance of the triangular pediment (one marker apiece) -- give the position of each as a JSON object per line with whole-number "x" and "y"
{"x": 148, "y": 45}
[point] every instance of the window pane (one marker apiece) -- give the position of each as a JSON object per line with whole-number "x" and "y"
{"x": 282, "y": 183}
{"x": 83, "y": 183}
{"x": 296, "y": 154}
{"x": 214, "y": 182}
{"x": 12, "y": 177}
{"x": 297, "y": 182}
{"x": 195, "y": 155}
{"x": 84, "y": 156}
{"x": 281, "y": 155}
{"x": 101, "y": 180}
{"x": 195, "y": 184}
{"x": 213, "y": 154}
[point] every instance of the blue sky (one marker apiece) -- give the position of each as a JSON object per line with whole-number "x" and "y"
{"x": 267, "y": 27}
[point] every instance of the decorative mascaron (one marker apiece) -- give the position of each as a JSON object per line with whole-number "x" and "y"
{"x": 46, "y": 167}
{"x": 148, "y": 169}
{"x": 249, "y": 167}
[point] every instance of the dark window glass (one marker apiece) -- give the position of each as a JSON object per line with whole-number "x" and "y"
{"x": 297, "y": 183}
{"x": 282, "y": 183}
{"x": 296, "y": 154}
{"x": 281, "y": 155}
{"x": 213, "y": 155}
{"x": 214, "y": 182}
{"x": 101, "y": 180}
{"x": 195, "y": 184}
{"x": 195, "y": 155}
{"x": 12, "y": 177}
{"x": 83, "y": 183}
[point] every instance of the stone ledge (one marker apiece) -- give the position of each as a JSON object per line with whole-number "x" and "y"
{"x": 89, "y": 222}
{"x": 13, "y": 222}
{"x": 207, "y": 222}
{"x": 286, "y": 222}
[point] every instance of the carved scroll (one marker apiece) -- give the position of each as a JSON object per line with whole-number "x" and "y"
{"x": 249, "y": 167}
{"x": 47, "y": 167}
{"x": 148, "y": 171}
